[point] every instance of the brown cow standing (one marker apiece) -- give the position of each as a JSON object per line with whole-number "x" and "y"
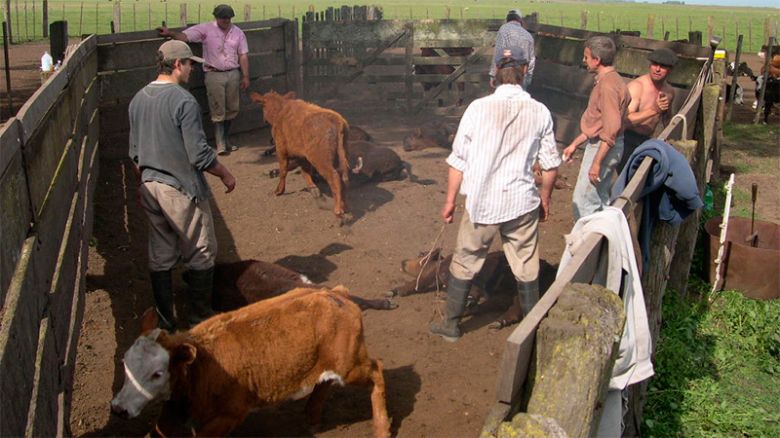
{"x": 315, "y": 134}
{"x": 248, "y": 281}
{"x": 280, "y": 349}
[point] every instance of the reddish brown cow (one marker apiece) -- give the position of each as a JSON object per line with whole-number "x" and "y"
{"x": 284, "y": 348}
{"x": 248, "y": 281}
{"x": 315, "y": 134}
{"x": 494, "y": 279}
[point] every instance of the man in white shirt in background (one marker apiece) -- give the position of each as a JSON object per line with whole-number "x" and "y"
{"x": 499, "y": 139}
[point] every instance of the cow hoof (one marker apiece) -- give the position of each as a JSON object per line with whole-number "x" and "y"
{"x": 274, "y": 173}
{"x": 314, "y": 191}
{"x": 501, "y": 323}
{"x": 389, "y": 305}
{"x": 391, "y": 293}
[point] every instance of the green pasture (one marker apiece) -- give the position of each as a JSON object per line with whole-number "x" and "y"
{"x": 90, "y": 16}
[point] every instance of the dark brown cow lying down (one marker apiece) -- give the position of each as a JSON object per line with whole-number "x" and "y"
{"x": 495, "y": 279}
{"x": 248, "y": 281}
{"x": 295, "y": 345}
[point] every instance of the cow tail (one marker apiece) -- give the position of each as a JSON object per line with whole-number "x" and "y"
{"x": 341, "y": 150}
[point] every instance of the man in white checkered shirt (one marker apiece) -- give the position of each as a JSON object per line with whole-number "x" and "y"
{"x": 499, "y": 139}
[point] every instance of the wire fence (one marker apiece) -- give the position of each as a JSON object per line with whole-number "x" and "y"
{"x": 26, "y": 18}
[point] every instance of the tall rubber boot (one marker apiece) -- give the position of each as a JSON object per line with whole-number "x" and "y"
{"x": 201, "y": 283}
{"x": 457, "y": 290}
{"x": 162, "y": 288}
{"x": 226, "y": 136}
{"x": 219, "y": 138}
{"x": 528, "y": 295}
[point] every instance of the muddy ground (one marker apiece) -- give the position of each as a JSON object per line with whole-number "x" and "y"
{"x": 434, "y": 388}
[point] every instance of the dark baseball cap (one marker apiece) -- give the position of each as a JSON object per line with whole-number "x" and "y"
{"x": 663, "y": 56}
{"x": 175, "y": 49}
{"x": 223, "y": 11}
{"x": 516, "y": 58}
{"x": 514, "y": 14}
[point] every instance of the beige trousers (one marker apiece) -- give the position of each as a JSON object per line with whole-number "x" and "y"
{"x": 222, "y": 90}
{"x": 178, "y": 226}
{"x": 519, "y": 238}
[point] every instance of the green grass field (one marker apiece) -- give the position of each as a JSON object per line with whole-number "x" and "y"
{"x": 90, "y": 16}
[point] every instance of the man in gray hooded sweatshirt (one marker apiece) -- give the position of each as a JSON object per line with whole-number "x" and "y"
{"x": 169, "y": 149}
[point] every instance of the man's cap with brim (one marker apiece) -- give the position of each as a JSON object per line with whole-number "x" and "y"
{"x": 223, "y": 11}
{"x": 514, "y": 14}
{"x": 663, "y": 56}
{"x": 175, "y": 49}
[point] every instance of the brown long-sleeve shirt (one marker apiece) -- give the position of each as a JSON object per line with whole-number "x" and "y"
{"x": 607, "y": 108}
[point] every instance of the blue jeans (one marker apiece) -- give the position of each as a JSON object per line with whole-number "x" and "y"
{"x": 589, "y": 198}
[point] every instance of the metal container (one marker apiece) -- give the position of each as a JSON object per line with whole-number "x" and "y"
{"x": 754, "y": 271}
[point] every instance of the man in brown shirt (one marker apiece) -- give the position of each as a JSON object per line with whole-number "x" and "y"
{"x": 601, "y": 127}
{"x": 651, "y": 98}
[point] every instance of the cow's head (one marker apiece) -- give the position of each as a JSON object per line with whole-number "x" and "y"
{"x": 149, "y": 365}
{"x": 272, "y": 103}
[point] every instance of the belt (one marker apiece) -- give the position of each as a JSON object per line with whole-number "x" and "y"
{"x": 222, "y": 71}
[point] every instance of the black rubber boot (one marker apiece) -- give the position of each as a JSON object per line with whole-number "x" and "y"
{"x": 226, "y": 137}
{"x": 457, "y": 290}
{"x": 219, "y": 138}
{"x": 528, "y": 295}
{"x": 201, "y": 283}
{"x": 162, "y": 288}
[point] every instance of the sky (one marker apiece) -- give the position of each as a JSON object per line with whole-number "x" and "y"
{"x": 761, "y": 3}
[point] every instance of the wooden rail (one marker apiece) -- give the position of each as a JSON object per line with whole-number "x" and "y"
{"x": 48, "y": 171}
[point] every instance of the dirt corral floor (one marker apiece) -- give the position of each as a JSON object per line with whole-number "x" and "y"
{"x": 434, "y": 388}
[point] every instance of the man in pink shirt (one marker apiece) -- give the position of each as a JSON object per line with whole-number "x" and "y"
{"x": 226, "y": 66}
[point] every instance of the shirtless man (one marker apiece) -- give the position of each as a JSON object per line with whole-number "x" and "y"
{"x": 651, "y": 97}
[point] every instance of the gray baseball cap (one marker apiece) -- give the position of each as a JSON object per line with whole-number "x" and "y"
{"x": 175, "y": 49}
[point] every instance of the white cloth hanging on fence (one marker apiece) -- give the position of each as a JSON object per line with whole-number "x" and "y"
{"x": 622, "y": 276}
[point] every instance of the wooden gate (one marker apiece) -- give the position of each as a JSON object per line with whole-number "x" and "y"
{"x": 407, "y": 64}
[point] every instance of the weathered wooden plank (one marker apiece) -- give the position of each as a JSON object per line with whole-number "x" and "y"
{"x": 571, "y": 80}
{"x": 42, "y": 413}
{"x": 420, "y": 42}
{"x": 22, "y": 313}
{"x": 558, "y": 50}
{"x": 117, "y": 38}
{"x": 40, "y": 104}
{"x": 633, "y": 62}
{"x": 14, "y": 203}
{"x": 291, "y": 55}
{"x": 126, "y": 83}
{"x": 320, "y": 34}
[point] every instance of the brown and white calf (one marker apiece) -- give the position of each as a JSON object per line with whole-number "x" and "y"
{"x": 315, "y": 134}
{"x": 284, "y": 348}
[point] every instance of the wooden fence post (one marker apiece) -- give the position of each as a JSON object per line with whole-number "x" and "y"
{"x": 183, "y": 15}
{"x": 650, "y": 25}
{"x": 710, "y": 26}
{"x": 248, "y": 13}
{"x": 584, "y": 20}
{"x": 734, "y": 77}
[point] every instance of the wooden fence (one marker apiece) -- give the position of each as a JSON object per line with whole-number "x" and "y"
{"x": 696, "y": 119}
{"x": 48, "y": 173}
{"x": 127, "y": 63}
{"x": 380, "y": 60}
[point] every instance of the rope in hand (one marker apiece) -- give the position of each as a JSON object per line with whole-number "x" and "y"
{"x": 424, "y": 262}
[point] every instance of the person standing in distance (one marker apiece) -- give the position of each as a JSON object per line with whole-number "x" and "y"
{"x": 601, "y": 129}
{"x": 498, "y": 140}
{"x": 226, "y": 66}
{"x": 651, "y": 98}
{"x": 513, "y": 36}
{"x": 170, "y": 153}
